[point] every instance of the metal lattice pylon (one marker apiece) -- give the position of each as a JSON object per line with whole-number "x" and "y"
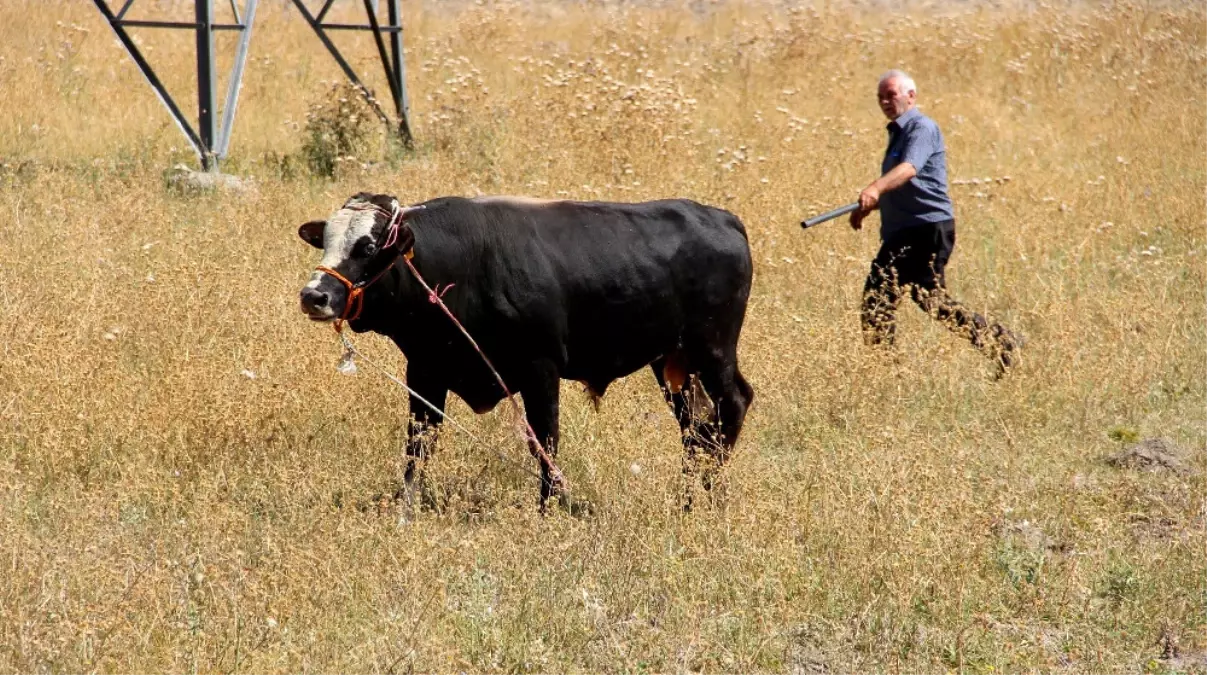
{"x": 392, "y": 62}
{"x": 212, "y": 142}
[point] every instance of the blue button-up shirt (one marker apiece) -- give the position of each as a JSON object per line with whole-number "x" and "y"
{"x": 915, "y": 138}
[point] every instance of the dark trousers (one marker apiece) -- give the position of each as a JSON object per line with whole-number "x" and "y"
{"x": 915, "y": 258}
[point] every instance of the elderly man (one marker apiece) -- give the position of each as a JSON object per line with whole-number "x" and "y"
{"x": 917, "y": 230}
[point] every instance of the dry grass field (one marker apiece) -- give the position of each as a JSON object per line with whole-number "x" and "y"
{"x": 188, "y": 484}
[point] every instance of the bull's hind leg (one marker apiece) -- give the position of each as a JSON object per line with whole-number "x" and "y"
{"x": 697, "y": 422}
{"x": 732, "y": 395}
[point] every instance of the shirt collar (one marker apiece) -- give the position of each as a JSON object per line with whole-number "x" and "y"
{"x": 905, "y": 118}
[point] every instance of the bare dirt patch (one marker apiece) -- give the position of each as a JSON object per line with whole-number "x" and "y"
{"x": 1151, "y": 454}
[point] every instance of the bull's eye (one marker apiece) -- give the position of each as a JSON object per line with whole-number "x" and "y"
{"x": 370, "y": 249}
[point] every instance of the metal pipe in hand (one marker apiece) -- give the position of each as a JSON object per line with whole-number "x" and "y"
{"x": 830, "y": 215}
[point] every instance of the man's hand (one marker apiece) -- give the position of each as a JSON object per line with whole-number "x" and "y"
{"x": 857, "y": 217}
{"x": 869, "y": 198}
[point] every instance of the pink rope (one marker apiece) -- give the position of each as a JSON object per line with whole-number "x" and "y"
{"x": 392, "y": 227}
{"x": 435, "y": 296}
{"x": 395, "y": 221}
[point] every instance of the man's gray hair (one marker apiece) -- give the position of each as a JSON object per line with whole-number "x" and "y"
{"x": 902, "y": 77}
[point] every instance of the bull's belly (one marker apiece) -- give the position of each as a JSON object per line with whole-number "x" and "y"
{"x": 613, "y": 341}
{"x": 480, "y": 394}
{"x": 595, "y": 368}
{"x": 605, "y": 360}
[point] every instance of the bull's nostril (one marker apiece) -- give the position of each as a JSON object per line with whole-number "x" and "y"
{"x": 314, "y": 298}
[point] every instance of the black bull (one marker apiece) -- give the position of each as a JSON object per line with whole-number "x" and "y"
{"x": 552, "y": 290}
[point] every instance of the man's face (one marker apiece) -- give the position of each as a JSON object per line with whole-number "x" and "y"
{"x": 894, "y": 98}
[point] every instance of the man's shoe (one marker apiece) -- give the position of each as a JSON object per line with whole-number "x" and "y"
{"x": 1006, "y": 355}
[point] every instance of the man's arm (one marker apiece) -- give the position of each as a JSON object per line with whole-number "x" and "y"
{"x": 869, "y": 199}
{"x": 896, "y": 177}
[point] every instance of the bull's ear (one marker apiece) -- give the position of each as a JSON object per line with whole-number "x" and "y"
{"x": 312, "y": 232}
{"x": 406, "y": 239}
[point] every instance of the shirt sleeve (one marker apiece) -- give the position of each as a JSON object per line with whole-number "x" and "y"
{"x": 920, "y": 143}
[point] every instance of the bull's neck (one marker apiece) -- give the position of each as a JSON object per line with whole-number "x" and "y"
{"x": 395, "y": 293}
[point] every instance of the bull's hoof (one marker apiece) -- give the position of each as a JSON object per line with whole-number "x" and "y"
{"x": 552, "y": 486}
{"x": 576, "y": 505}
{"x": 557, "y": 483}
{"x": 415, "y": 496}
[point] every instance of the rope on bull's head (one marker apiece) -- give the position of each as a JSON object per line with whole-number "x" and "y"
{"x": 393, "y": 226}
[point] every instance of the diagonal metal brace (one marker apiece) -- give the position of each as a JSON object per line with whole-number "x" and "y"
{"x": 145, "y": 68}
{"x": 394, "y": 68}
{"x": 235, "y": 82}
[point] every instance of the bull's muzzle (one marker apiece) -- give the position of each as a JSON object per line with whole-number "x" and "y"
{"x": 316, "y": 304}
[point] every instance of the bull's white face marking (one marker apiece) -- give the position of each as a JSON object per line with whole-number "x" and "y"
{"x": 343, "y": 230}
{"x": 340, "y": 235}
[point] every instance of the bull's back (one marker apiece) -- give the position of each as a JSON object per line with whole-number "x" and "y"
{"x": 601, "y": 249}
{"x": 631, "y": 279}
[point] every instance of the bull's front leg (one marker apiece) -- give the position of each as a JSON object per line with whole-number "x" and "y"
{"x": 423, "y": 425}
{"x": 541, "y": 394}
